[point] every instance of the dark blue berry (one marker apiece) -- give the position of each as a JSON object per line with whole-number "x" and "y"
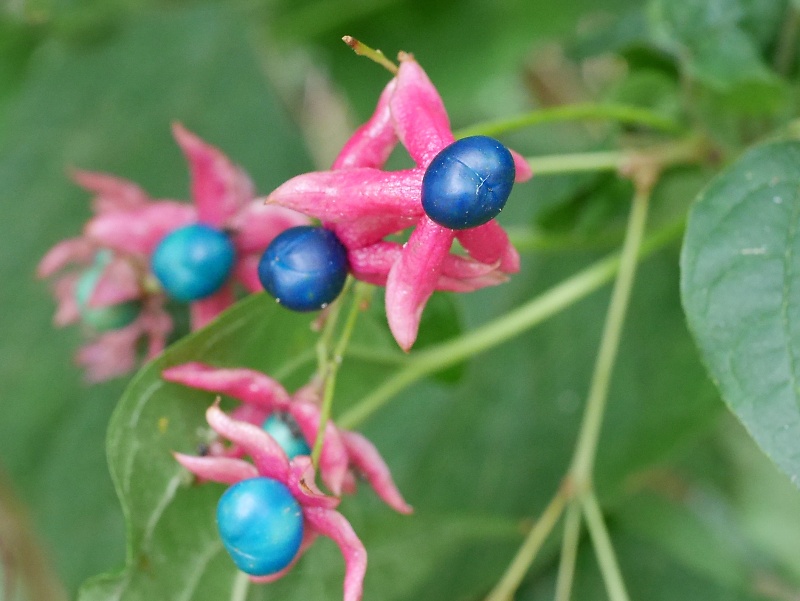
{"x": 193, "y": 262}
{"x": 261, "y": 525}
{"x": 304, "y": 268}
{"x": 284, "y": 429}
{"x": 102, "y": 319}
{"x": 468, "y": 182}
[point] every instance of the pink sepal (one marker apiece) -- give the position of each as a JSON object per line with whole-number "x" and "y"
{"x": 372, "y": 143}
{"x": 225, "y": 470}
{"x": 302, "y": 485}
{"x": 118, "y": 283}
{"x": 413, "y": 278}
{"x": 248, "y": 385}
{"x": 366, "y": 458}
{"x": 349, "y": 194}
{"x": 333, "y": 460}
{"x": 268, "y": 456}
{"x": 67, "y": 311}
{"x": 111, "y": 193}
{"x": 246, "y": 273}
{"x": 489, "y": 243}
{"x": 257, "y": 224}
{"x": 206, "y": 309}
{"x": 139, "y": 231}
{"x": 219, "y": 188}
{"x": 522, "y": 169}
{"x": 334, "y": 525}
{"x": 419, "y": 115}
{"x": 73, "y": 250}
{"x": 111, "y": 354}
{"x": 369, "y": 230}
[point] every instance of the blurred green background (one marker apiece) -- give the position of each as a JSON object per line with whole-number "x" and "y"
{"x": 95, "y": 84}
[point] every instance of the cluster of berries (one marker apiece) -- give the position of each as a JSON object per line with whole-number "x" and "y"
{"x": 137, "y": 253}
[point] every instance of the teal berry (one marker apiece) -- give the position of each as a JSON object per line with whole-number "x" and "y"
{"x": 468, "y": 182}
{"x": 193, "y": 262}
{"x": 261, "y": 525}
{"x": 282, "y": 427}
{"x": 304, "y": 268}
{"x": 102, "y": 319}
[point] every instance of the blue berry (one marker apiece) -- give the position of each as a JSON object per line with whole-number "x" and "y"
{"x": 261, "y": 525}
{"x": 282, "y": 427}
{"x": 193, "y": 262}
{"x": 102, "y": 319}
{"x": 304, "y": 268}
{"x": 468, "y": 182}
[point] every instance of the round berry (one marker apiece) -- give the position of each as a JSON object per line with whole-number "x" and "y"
{"x": 102, "y": 319}
{"x": 284, "y": 429}
{"x": 261, "y": 525}
{"x": 193, "y": 262}
{"x": 304, "y": 268}
{"x": 468, "y": 182}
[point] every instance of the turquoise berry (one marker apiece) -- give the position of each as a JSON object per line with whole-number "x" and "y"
{"x": 193, "y": 262}
{"x": 468, "y": 182}
{"x": 261, "y": 525}
{"x": 304, "y": 268}
{"x": 284, "y": 429}
{"x": 102, "y": 319}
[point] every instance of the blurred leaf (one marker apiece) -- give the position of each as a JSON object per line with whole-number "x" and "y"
{"x": 715, "y": 40}
{"x": 740, "y": 292}
{"x": 106, "y": 108}
{"x": 441, "y": 320}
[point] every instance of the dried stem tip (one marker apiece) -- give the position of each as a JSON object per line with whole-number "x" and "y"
{"x": 376, "y": 56}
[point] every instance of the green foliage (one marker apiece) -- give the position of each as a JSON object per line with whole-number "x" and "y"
{"x": 694, "y": 510}
{"x": 741, "y": 293}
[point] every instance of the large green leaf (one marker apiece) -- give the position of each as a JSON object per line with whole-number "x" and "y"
{"x": 741, "y": 294}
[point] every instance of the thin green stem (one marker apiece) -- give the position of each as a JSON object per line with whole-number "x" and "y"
{"x": 569, "y": 551}
{"x": 362, "y": 293}
{"x": 609, "y": 567}
{"x": 328, "y": 330}
{"x": 241, "y": 586}
{"x": 622, "y": 113}
{"x": 586, "y": 448}
{"x": 516, "y": 571}
{"x": 504, "y": 328}
{"x": 626, "y": 162}
{"x": 376, "y": 56}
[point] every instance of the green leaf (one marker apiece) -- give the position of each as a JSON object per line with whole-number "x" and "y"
{"x": 741, "y": 293}
{"x": 718, "y": 42}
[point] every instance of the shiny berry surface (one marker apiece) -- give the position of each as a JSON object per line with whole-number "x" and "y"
{"x": 261, "y": 525}
{"x": 193, "y": 262}
{"x": 304, "y": 268}
{"x": 102, "y": 319}
{"x": 467, "y": 183}
{"x": 284, "y": 429}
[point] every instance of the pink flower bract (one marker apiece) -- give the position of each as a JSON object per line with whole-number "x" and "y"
{"x": 363, "y": 205}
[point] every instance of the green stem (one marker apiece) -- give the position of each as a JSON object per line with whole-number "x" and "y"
{"x": 632, "y": 115}
{"x": 362, "y": 293}
{"x": 626, "y": 162}
{"x": 510, "y": 581}
{"x": 376, "y": 56}
{"x": 504, "y": 328}
{"x": 241, "y": 586}
{"x": 569, "y": 551}
{"x": 586, "y": 448}
{"x": 609, "y": 567}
